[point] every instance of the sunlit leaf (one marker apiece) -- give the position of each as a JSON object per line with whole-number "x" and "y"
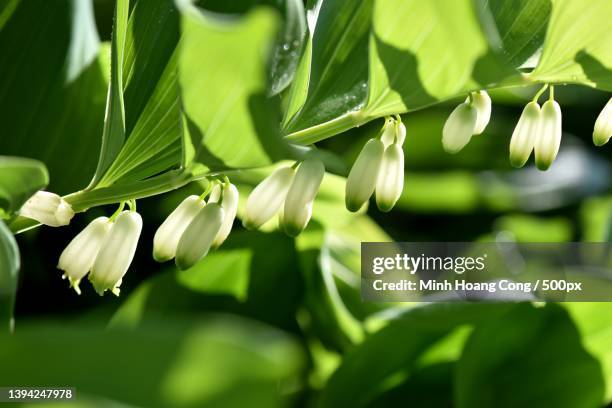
{"x": 19, "y": 179}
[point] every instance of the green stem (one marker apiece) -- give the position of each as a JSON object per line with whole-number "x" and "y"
{"x": 551, "y": 95}
{"x": 117, "y": 211}
{"x": 539, "y": 93}
{"x": 83, "y": 200}
{"x": 327, "y": 129}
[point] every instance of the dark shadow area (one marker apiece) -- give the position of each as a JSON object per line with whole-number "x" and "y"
{"x": 594, "y": 70}
{"x": 265, "y": 114}
{"x": 202, "y": 153}
{"x": 403, "y": 76}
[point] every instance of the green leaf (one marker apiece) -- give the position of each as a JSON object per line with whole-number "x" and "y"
{"x": 113, "y": 135}
{"x": 286, "y": 55}
{"x": 594, "y": 323}
{"x": 407, "y": 69}
{"x": 229, "y": 121}
{"x": 150, "y": 92}
{"x": 396, "y": 347}
{"x": 577, "y": 47}
{"x": 335, "y": 71}
{"x": 19, "y": 179}
{"x": 535, "y": 350}
{"x": 209, "y": 362}
{"x": 9, "y": 270}
{"x": 53, "y": 89}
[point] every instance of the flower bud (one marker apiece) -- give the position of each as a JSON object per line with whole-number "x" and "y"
{"x": 482, "y": 103}
{"x": 199, "y": 236}
{"x": 603, "y": 125}
{"x": 401, "y": 133}
{"x": 361, "y": 180}
{"x": 459, "y": 128}
{"x": 169, "y": 233}
{"x": 548, "y": 139}
{"x": 79, "y": 256}
{"x": 266, "y": 199}
{"x": 302, "y": 193}
{"x": 230, "y": 206}
{"x": 47, "y": 208}
{"x": 116, "y": 253}
{"x": 299, "y": 220}
{"x": 389, "y": 132}
{"x": 390, "y": 181}
{"x": 524, "y": 135}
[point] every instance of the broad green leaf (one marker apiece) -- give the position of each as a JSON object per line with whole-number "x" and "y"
{"x": 9, "y": 269}
{"x": 396, "y": 347}
{"x": 288, "y": 50}
{"x": 113, "y": 134}
{"x": 515, "y": 28}
{"x": 593, "y": 321}
{"x": 151, "y": 95}
{"x": 535, "y": 350}
{"x": 229, "y": 121}
{"x": 207, "y": 362}
{"x": 408, "y": 69}
{"x": 335, "y": 70}
{"x": 19, "y": 179}
{"x": 52, "y": 88}
{"x": 577, "y": 47}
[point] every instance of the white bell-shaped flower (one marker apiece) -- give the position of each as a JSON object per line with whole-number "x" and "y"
{"x": 390, "y": 181}
{"x": 230, "y": 206}
{"x": 267, "y": 198}
{"x": 116, "y": 253}
{"x": 525, "y": 134}
{"x": 301, "y": 194}
{"x": 459, "y": 127}
{"x": 401, "y": 133}
{"x": 394, "y": 131}
{"x": 548, "y": 139}
{"x": 169, "y": 233}
{"x": 603, "y": 125}
{"x": 361, "y": 180}
{"x": 482, "y": 102}
{"x": 47, "y": 208}
{"x": 79, "y": 256}
{"x": 198, "y": 238}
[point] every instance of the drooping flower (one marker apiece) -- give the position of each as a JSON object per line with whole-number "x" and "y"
{"x": 603, "y": 125}
{"x": 390, "y": 182}
{"x": 230, "y": 206}
{"x": 301, "y": 194}
{"x": 548, "y": 139}
{"x": 525, "y": 134}
{"x": 482, "y": 103}
{"x": 362, "y": 178}
{"x": 79, "y": 256}
{"x": 198, "y": 238}
{"x": 47, "y": 208}
{"x": 167, "y": 237}
{"x": 116, "y": 253}
{"x": 268, "y": 197}
{"x": 389, "y": 132}
{"x": 459, "y": 127}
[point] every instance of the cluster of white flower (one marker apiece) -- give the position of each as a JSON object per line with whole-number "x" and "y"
{"x": 378, "y": 168}
{"x": 105, "y": 247}
{"x": 196, "y": 226}
{"x": 289, "y": 191}
{"x": 538, "y": 129}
